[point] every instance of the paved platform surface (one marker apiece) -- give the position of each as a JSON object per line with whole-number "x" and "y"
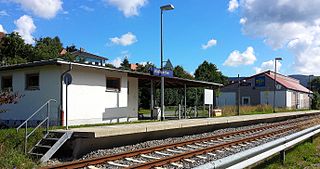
{"x": 121, "y": 129}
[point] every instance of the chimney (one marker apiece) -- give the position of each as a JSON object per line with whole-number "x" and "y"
{"x": 2, "y": 34}
{"x": 82, "y": 50}
{"x": 133, "y": 66}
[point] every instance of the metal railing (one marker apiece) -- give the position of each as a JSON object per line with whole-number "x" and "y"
{"x": 25, "y": 123}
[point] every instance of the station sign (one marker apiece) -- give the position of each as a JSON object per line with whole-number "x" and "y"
{"x": 157, "y": 72}
{"x": 208, "y": 96}
{"x": 260, "y": 81}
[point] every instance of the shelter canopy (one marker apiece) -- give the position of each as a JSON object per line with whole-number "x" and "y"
{"x": 171, "y": 82}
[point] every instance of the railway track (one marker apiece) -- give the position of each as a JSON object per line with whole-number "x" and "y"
{"x": 177, "y": 154}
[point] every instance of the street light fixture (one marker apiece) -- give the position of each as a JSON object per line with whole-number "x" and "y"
{"x": 162, "y": 8}
{"x": 275, "y": 82}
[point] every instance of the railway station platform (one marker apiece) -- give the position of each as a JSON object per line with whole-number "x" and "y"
{"x": 122, "y": 129}
{"x": 86, "y": 139}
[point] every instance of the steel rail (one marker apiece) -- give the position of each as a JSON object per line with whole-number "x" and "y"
{"x": 188, "y": 154}
{"x": 104, "y": 159}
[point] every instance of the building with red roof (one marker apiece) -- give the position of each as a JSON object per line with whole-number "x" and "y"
{"x": 259, "y": 89}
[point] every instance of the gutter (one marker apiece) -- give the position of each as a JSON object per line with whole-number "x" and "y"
{"x": 61, "y": 94}
{"x": 248, "y": 157}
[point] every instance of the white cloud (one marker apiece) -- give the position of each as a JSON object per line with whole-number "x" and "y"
{"x": 86, "y": 8}
{"x": 25, "y": 28}
{"x": 4, "y": 13}
{"x": 282, "y": 24}
{"x": 236, "y": 58}
{"x": 129, "y": 8}
{"x": 144, "y": 63}
{"x": 233, "y": 5}
{"x": 210, "y": 43}
{"x": 116, "y": 62}
{"x": 243, "y": 21}
{"x": 268, "y": 65}
{"x": 125, "y": 40}
{"x": 42, "y": 8}
{"x": 2, "y": 29}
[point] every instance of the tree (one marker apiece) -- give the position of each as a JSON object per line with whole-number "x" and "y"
{"x": 14, "y": 50}
{"x": 144, "y": 93}
{"x": 47, "y": 48}
{"x": 315, "y": 86}
{"x": 209, "y": 72}
{"x": 71, "y": 48}
{"x": 145, "y": 68}
{"x": 178, "y": 71}
{"x": 125, "y": 65}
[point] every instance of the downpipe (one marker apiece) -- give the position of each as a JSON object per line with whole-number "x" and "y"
{"x": 243, "y": 159}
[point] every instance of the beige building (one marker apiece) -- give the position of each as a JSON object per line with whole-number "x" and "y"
{"x": 259, "y": 89}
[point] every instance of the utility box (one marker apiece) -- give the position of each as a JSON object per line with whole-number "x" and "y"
{"x": 156, "y": 113}
{"x": 217, "y": 112}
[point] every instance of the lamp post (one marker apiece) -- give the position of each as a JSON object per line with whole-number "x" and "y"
{"x": 274, "y": 83}
{"x": 239, "y": 97}
{"x": 162, "y": 8}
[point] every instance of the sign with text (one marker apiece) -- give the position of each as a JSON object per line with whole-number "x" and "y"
{"x": 260, "y": 81}
{"x": 158, "y": 72}
{"x": 208, "y": 96}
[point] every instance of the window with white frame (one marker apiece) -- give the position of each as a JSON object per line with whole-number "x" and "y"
{"x": 245, "y": 100}
{"x": 113, "y": 84}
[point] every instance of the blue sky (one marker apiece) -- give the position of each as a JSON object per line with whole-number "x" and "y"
{"x": 109, "y": 28}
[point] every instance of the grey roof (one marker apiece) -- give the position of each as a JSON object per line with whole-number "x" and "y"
{"x": 143, "y": 77}
{"x": 89, "y": 55}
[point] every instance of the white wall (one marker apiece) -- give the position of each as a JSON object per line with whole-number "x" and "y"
{"x": 49, "y": 77}
{"x": 289, "y": 99}
{"x": 89, "y": 102}
{"x": 266, "y": 97}
{"x": 226, "y": 99}
{"x": 303, "y": 101}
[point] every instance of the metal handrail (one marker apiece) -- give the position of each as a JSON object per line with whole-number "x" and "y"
{"x": 25, "y": 123}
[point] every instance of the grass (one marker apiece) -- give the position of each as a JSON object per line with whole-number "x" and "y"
{"x": 12, "y": 145}
{"x": 249, "y": 110}
{"x": 106, "y": 124}
{"x": 233, "y": 111}
{"x": 304, "y": 156}
{"x": 12, "y": 150}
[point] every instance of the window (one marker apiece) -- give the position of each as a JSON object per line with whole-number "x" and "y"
{"x": 6, "y": 83}
{"x": 32, "y": 81}
{"x": 113, "y": 84}
{"x": 245, "y": 100}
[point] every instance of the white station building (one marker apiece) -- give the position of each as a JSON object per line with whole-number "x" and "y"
{"x": 97, "y": 94}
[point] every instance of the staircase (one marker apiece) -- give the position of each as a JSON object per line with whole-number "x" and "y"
{"x": 49, "y": 144}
